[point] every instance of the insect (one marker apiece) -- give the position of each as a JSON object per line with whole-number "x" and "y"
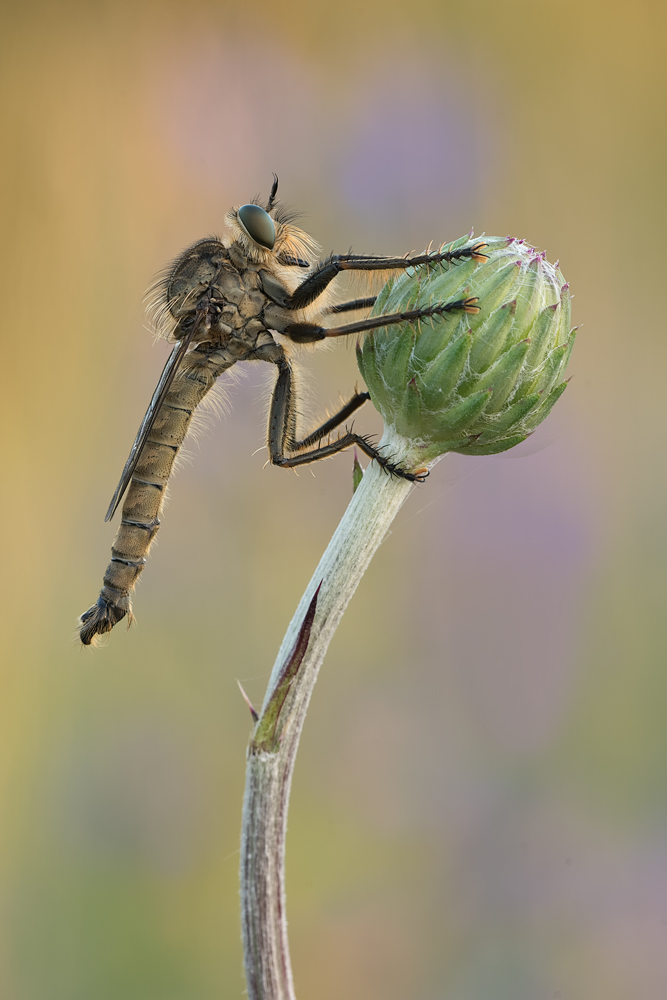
{"x": 248, "y": 297}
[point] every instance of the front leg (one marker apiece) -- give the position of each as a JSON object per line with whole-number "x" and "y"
{"x": 313, "y": 286}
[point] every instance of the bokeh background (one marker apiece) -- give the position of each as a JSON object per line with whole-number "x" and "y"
{"x": 480, "y": 804}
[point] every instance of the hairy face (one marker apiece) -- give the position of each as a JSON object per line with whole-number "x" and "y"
{"x": 252, "y": 228}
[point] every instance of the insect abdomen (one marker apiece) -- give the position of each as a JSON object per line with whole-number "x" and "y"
{"x": 140, "y": 518}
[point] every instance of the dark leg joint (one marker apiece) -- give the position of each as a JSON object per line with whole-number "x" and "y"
{"x": 304, "y": 333}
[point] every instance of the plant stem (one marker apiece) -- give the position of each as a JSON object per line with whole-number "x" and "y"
{"x": 275, "y": 740}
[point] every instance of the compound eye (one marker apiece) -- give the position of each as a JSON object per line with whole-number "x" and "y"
{"x": 258, "y": 224}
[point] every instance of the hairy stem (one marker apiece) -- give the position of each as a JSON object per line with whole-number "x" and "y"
{"x": 275, "y": 740}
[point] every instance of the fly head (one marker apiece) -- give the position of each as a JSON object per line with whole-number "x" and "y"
{"x": 267, "y": 234}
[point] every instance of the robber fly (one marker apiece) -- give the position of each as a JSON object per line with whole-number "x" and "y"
{"x": 223, "y": 301}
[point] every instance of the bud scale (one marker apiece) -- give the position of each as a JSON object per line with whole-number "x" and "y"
{"x": 474, "y": 384}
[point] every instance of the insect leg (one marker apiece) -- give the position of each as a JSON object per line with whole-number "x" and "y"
{"x": 282, "y": 425}
{"x": 329, "y": 425}
{"x": 314, "y": 285}
{"x": 309, "y": 333}
{"x": 344, "y": 307}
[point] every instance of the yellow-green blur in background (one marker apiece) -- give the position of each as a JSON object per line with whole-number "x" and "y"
{"x": 480, "y": 807}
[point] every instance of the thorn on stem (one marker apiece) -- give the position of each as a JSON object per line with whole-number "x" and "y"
{"x": 357, "y": 472}
{"x": 246, "y": 699}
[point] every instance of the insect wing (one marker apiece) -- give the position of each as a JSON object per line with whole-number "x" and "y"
{"x": 161, "y": 390}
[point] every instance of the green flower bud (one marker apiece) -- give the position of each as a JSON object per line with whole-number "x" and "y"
{"x": 475, "y": 381}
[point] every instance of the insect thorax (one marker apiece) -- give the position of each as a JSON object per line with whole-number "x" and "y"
{"x": 222, "y": 281}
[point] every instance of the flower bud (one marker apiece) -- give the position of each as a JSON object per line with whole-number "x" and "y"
{"x": 472, "y": 382}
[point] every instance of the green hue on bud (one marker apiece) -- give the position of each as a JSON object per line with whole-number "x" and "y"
{"x": 475, "y": 383}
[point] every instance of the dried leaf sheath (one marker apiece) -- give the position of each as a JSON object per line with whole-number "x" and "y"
{"x": 141, "y": 510}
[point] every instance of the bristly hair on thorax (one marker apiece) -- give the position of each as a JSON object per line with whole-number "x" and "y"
{"x": 291, "y": 241}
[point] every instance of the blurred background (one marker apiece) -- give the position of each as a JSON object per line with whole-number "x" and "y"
{"x": 480, "y": 804}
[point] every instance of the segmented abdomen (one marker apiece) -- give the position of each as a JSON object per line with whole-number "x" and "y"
{"x": 145, "y": 496}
